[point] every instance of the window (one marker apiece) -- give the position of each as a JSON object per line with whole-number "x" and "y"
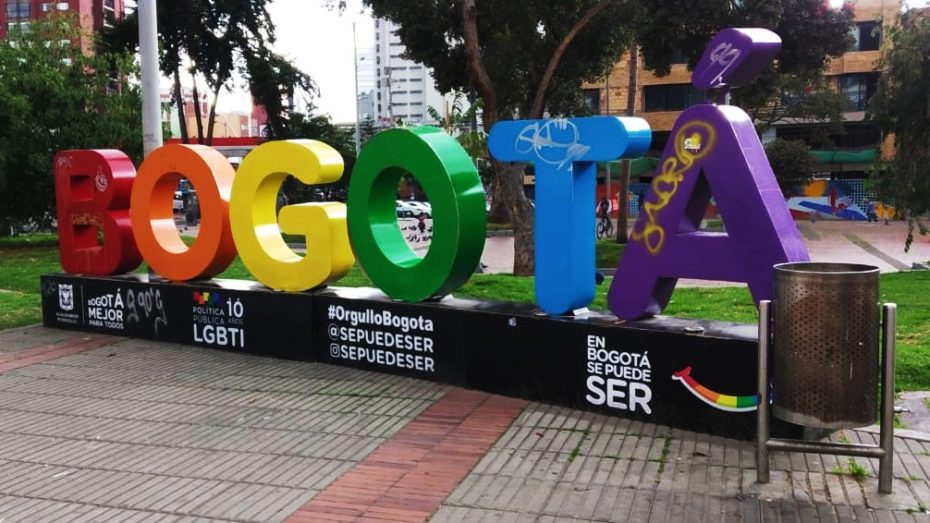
{"x": 18, "y": 9}
{"x": 678, "y": 56}
{"x": 867, "y": 36}
{"x": 592, "y": 98}
{"x": 671, "y": 97}
{"x": 858, "y": 88}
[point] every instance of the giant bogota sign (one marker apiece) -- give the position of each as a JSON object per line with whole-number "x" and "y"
{"x": 689, "y": 373}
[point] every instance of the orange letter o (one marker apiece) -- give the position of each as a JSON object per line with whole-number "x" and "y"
{"x": 152, "y": 212}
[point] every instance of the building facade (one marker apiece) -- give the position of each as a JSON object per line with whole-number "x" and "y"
{"x": 660, "y": 100}
{"x": 93, "y": 14}
{"x": 403, "y": 89}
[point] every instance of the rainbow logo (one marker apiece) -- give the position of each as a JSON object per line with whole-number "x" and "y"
{"x": 207, "y": 298}
{"x": 715, "y": 399}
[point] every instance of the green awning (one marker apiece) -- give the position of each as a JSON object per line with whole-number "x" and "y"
{"x": 826, "y": 156}
{"x": 639, "y": 166}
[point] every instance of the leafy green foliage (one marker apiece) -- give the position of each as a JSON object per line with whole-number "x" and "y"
{"x": 901, "y": 107}
{"x": 214, "y": 39}
{"x": 810, "y": 30}
{"x": 53, "y": 97}
{"x": 507, "y": 51}
{"x": 791, "y": 162}
{"x": 316, "y": 127}
{"x": 517, "y": 40}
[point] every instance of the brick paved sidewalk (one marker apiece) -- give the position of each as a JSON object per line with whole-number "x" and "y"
{"x": 96, "y": 428}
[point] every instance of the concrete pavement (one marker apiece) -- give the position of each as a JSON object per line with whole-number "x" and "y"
{"x": 99, "y": 428}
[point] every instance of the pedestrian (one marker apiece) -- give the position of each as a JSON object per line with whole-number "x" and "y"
{"x": 421, "y": 222}
{"x": 870, "y": 211}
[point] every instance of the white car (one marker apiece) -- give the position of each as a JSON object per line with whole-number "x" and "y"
{"x": 406, "y": 210}
{"x": 423, "y": 207}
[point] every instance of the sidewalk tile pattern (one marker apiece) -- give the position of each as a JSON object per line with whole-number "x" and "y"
{"x": 557, "y": 464}
{"x": 407, "y": 477}
{"x": 152, "y": 430}
{"x": 146, "y": 431}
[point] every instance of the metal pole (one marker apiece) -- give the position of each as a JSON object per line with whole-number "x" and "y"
{"x": 886, "y": 437}
{"x": 607, "y": 164}
{"x": 762, "y": 411}
{"x": 151, "y": 101}
{"x": 355, "y": 64}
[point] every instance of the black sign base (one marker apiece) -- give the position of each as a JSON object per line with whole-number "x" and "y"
{"x": 698, "y": 375}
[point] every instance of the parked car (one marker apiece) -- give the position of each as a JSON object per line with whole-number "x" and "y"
{"x": 405, "y": 210}
{"x": 423, "y": 207}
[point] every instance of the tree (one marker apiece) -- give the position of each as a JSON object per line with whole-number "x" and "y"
{"x": 811, "y": 33}
{"x": 791, "y": 162}
{"x": 316, "y": 127}
{"x": 459, "y": 123}
{"x": 218, "y": 39}
{"x": 366, "y": 130}
{"x": 523, "y": 59}
{"x": 901, "y": 107}
{"x": 622, "y": 200}
{"x": 53, "y": 97}
{"x": 530, "y": 58}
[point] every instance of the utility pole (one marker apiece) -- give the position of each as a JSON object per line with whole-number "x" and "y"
{"x": 151, "y": 100}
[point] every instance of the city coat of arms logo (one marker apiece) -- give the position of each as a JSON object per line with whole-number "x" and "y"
{"x": 66, "y": 296}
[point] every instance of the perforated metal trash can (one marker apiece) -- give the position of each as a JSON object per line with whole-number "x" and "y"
{"x": 825, "y": 346}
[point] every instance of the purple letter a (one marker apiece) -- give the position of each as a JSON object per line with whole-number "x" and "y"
{"x": 713, "y": 150}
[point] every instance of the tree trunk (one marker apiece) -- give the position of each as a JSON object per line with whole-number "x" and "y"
{"x": 622, "y": 199}
{"x": 510, "y": 183}
{"x": 498, "y": 212}
{"x": 211, "y": 123}
{"x": 179, "y": 100}
{"x": 198, "y": 116}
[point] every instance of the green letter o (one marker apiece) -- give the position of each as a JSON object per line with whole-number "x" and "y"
{"x": 450, "y": 179}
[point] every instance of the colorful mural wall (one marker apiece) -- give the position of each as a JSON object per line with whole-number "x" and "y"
{"x": 836, "y": 200}
{"x": 829, "y": 199}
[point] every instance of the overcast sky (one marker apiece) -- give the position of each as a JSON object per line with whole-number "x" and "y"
{"x": 319, "y": 42}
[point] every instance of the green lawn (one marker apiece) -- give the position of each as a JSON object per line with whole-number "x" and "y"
{"x": 22, "y": 260}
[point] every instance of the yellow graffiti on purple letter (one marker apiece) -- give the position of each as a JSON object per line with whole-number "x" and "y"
{"x": 693, "y": 141}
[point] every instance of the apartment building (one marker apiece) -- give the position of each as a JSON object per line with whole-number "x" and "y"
{"x": 660, "y": 100}
{"x": 93, "y": 14}
{"x": 403, "y": 89}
